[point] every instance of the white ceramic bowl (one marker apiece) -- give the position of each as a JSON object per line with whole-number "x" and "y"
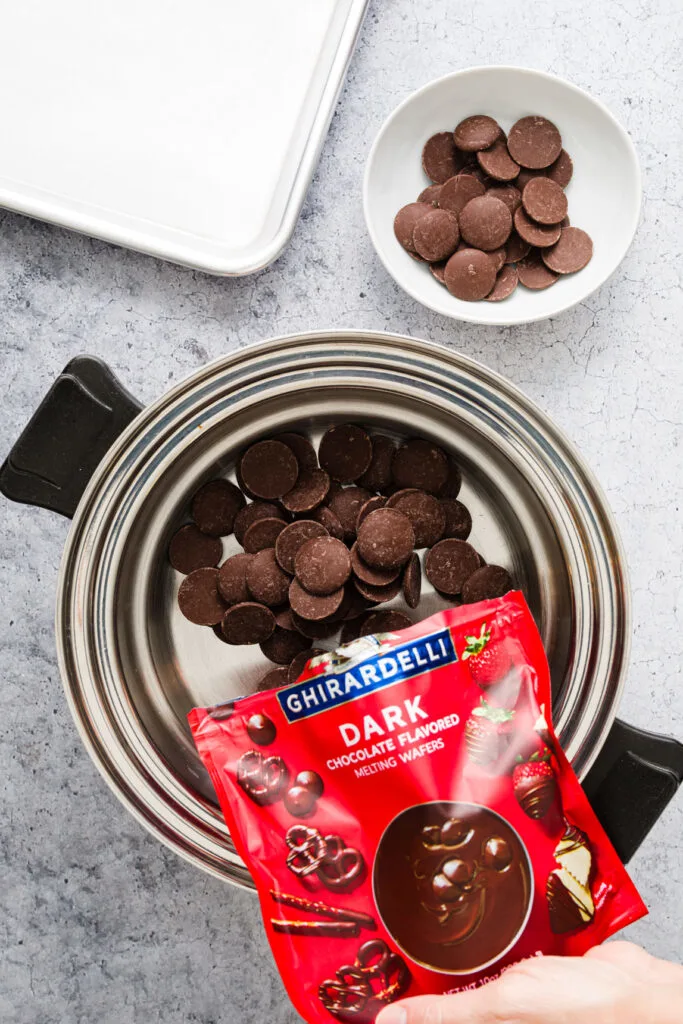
{"x": 604, "y": 193}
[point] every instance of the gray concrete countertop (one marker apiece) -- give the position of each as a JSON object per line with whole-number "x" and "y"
{"x": 99, "y": 924}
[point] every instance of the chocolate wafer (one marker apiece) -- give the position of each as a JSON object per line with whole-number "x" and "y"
{"x": 191, "y": 549}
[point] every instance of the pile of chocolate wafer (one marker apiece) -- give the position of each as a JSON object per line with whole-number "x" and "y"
{"x": 495, "y": 215}
{"x": 328, "y": 538}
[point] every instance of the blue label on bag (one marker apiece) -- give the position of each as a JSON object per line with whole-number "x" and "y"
{"x": 349, "y": 677}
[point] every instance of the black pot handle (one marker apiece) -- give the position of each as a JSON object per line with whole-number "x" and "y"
{"x": 79, "y": 419}
{"x": 633, "y": 779}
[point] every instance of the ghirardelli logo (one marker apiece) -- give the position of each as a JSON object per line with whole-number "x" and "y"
{"x": 366, "y": 665}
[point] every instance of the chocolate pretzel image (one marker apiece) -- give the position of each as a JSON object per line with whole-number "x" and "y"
{"x": 335, "y": 865}
{"x": 263, "y": 779}
{"x": 377, "y": 976}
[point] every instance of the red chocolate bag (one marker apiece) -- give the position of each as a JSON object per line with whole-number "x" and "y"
{"x": 410, "y": 822}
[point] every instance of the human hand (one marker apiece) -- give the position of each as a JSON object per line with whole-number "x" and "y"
{"x": 617, "y": 983}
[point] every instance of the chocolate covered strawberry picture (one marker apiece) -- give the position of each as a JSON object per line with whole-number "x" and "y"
{"x": 488, "y": 661}
{"x": 487, "y": 732}
{"x": 534, "y": 784}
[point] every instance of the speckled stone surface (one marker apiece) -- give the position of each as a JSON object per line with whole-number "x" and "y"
{"x": 99, "y": 924}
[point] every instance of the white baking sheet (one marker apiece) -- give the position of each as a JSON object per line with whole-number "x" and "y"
{"x": 187, "y": 130}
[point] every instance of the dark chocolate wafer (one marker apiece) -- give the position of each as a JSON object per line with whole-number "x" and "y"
{"x": 533, "y": 273}
{"x": 486, "y": 583}
{"x": 386, "y": 539}
{"x": 516, "y": 248}
{"x": 353, "y": 604}
{"x": 218, "y": 632}
{"x": 436, "y": 235}
{"x": 267, "y": 582}
{"x": 457, "y": 192}
{"x": 378, "y": 474}
{"x": 192, "y": 549}
{"x": 561, "y": 170}
{"x": 426, "y": 513}
{"x": 486, "y": 223}
{"x": 215, "y": 506}
{"x": 422, "y": 464}
{"x": 250, "y": 513}
{"x": 284, "y": 618}
{"x": 345, "y": 452}
{"x": 313, "y": 607}
{"x": 525, "y": 176}
{"x": 248, "y": 623}
{"x": 508, "y": 194}
{"x": 346, "y": 505}
{"x": 498, "y": 256}
{"x": 292, "y": 537}
{"x": 476, "y": 132}
{"x": 571, "y": 253}
{"x": 232, "y": 578}
{"x": 283, "y": 645}
{"x": 470, "y": 275}
{"x": 273, "y": 678}
{"x": 405, "y": 221}
{"x": 412, "y": 581}
{"x": 304, "y": 451}
{"x": 351, "y": 629}
{"x": 534, "y": 142}
{"x": 453, "y": 483}
{"x": 430, "y": 195}
{"x": 497, "y": 162}
{"x": 540, "y": 235}
{"x": 371, "y": 597}
{"x": 544, "y": 201}
{"x": 330, "y": 520}
{"x": 299, "y": 662}
{"x": 371, "y": 505}
{"x": 322, "y": 565}
{"x": 438, "y": 271}
{"x": 385, "y": 621}
{"x": 199, "y": 599}
{"x": 440, "y": 159}
{"x": 399, "y": 494}
{"x": 372, "y": 575}
{"x": 449, "y": 564}
{"x": 263, "y": 533}
{"x": 458, "y": 519}
{"x": 308, "y": 492}
{"x": 506, "y": 282}
{"x": 377, "y": 594}
{"x": 319, "y": 630}
{"x": 269, "y": 469}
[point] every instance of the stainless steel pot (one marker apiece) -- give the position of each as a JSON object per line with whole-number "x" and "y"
{"x": 133, "y": 667}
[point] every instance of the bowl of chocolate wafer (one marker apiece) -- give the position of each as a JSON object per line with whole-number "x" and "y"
{"x": 501, "y": 195}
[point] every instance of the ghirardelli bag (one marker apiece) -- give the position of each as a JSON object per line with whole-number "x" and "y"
{"x": 410, "y": 822}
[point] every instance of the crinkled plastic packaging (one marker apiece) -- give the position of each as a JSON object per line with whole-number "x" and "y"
{"x": 408, "y": 817}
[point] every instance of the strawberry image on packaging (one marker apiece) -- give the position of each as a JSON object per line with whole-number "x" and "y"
{"x": 410, "y": 822}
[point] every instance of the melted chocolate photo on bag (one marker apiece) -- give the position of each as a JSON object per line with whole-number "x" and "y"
{"x": 411, "y": 824}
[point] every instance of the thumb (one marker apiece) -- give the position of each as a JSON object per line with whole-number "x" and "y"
{"x": 479, "y": 1006}
{"x": 527, "y": 991}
